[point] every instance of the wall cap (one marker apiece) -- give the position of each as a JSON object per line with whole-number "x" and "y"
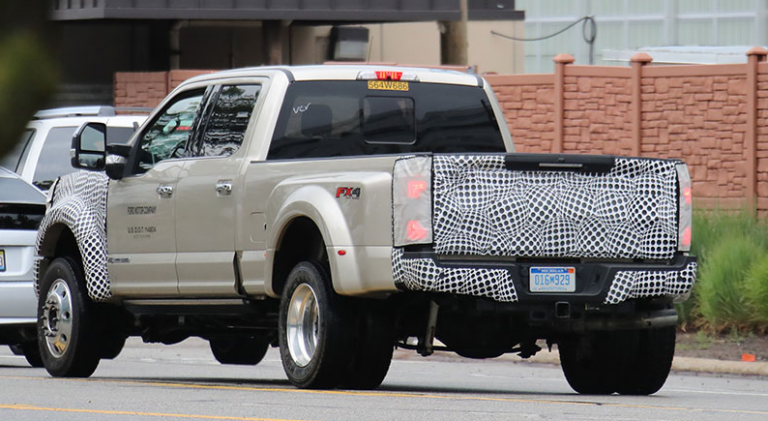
{"x": 564, "y": 58}
{"x": 641, "y": 58}
{"x": 757, "y": 51}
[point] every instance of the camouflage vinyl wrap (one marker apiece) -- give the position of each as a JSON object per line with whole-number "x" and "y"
{"x": 80, "y": 202}
{"x": 483, "y": 209}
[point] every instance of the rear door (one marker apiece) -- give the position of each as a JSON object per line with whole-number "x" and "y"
{"x": 140, "y": 225}
{"x": 208, "y": 194}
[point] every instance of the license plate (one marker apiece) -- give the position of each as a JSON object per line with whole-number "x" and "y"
{"x": 553, "y": 279}
{"x": 2, "y": 260}
{"x": 387, "y": 85}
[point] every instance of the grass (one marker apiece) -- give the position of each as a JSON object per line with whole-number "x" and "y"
{"x": 731, "y": 293}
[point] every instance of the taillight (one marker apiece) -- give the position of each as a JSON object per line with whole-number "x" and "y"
{"x": 685, "y": 217}
{"x": 412, "y": 201}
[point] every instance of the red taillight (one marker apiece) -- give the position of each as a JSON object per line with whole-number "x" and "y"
{"x": 416, "y": 231}
{"x": 416, "y": 188}
{"x": 687, "y": 236}
{"x": 388, "y": 75}
{"x": 687, "y": 195}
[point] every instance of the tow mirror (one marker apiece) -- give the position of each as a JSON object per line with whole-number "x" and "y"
{"x": 89, "y": 147}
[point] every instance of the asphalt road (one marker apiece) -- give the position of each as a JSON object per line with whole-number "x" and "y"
{"x": 181, "y": 382}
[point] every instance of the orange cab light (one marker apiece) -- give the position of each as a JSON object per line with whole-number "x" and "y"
{"x": 416, "y": 231}
{"x": 415, "y": 188}
{"x": 687, "y": 195}
{"x": 389, "y": 75}
{"x": 687, "y": 236}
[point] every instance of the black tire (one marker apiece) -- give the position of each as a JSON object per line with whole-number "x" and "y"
{"x": 111, "y": 346}
{"x": 373, "y": 354}
{"x": 240, "y": 351}
{"x": 31, "y": 352}
{"x": 326, "y": 365}
{"x": 78, "y": 352}
{"x": 649, "y": 368}
{"x": 588, "y": 363}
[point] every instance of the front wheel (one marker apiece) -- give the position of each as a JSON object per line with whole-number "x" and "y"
{"x": 65, "y": 320}
{"x": 314, "y": 329}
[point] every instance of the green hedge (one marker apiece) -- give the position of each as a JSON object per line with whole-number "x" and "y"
{"x": 731, "y": 292}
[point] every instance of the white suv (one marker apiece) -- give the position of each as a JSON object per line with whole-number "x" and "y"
{"x": 42, "y": 155}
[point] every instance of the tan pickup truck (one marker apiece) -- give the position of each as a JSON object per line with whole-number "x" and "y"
{"x": 339, "y": 212}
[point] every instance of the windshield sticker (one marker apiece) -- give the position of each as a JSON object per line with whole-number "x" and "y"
{"x": 384, "y": 85}
{"x": 301, "y": 108}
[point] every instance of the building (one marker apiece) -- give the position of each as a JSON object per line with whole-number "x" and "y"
{"x": 630, "y": 25}
{"x": 97, "y": 38}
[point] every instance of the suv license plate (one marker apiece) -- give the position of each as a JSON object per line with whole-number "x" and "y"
{"x": 2, "y": 260}
{"x": 553, "y": 279}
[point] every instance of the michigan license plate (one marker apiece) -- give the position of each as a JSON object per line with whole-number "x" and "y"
{"x": 2, "y": 260}
{"x": 553, "y": 279}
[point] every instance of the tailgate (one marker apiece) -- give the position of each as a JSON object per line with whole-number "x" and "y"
{"x": 530, "y": 205}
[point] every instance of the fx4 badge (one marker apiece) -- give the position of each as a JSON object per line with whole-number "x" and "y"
{"x": 348, "y": 192}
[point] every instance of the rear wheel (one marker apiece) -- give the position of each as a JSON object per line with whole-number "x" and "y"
{"x": 649, "y": 368}
{"x": 31, "y": 352}
{"x": 373, "y": 355}
{"x": 314, "y": 329}
{"x": 630, "y": 362}
{"x": 66, "y": 338}
{"x": 588, "y": 363}
{"x": 241, "y": 351}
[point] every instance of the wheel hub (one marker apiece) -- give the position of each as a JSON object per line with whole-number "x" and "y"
{"x": 57, "y": 318}
{"x": 302, "y": 322}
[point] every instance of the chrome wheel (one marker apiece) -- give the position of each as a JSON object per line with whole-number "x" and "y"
{"x": 302, "y": 324}
{"x": 57, "y": 318}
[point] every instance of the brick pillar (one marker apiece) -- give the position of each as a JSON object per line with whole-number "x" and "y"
{"x": 561, "y": 60}
{"x": 754, "y": 56}
{"x": 638, "y": 61}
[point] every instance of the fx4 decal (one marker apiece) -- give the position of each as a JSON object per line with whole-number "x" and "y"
{"x": 348, "y": 192}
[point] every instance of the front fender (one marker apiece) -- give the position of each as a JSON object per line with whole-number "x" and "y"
{"x": 79, "y": 204}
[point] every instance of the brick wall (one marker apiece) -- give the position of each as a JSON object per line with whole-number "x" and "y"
{"x": 713, "y": 117}
{"x": 148, "y": 89}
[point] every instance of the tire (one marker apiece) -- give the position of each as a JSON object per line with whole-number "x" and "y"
{"x": 31, "y": 352}
{"x": 65, "y": 322}
{"x": 588, "y": 363}
{"x": 373, "y": 354}
{"x": 648, "y": 370}
{"x": 314, "y": 329}
{"x": 239, "y": 351}
{"x": 112, "y": 346}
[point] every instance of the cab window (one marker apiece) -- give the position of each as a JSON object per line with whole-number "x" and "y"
{"x": 169, "y": 132}
{"x": 225, "y": 129}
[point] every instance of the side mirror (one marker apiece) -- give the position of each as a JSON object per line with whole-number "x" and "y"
{"x": 89, "y": 147}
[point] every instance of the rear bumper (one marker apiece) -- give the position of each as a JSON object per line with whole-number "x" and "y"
{"x": 596, "y": 282}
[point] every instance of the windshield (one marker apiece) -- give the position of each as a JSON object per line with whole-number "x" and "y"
{"x": 54, "y": 160}
{"x": 343, "y": 118}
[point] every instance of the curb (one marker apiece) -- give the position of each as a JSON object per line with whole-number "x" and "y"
{"x": 683, "y": 364}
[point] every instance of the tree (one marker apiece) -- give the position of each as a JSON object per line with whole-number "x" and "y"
{"x": 27, "y": 69}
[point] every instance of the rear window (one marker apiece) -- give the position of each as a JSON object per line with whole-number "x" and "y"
{"x": 343, "y": 118}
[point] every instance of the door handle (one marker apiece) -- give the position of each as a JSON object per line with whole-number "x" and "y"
{"x": 224, "y": 187}
{"x": 165, "y": 190}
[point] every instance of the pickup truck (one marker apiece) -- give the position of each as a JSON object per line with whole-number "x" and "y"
{"x": 339, "y": 212}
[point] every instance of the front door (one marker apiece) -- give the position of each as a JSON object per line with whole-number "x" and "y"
{"x": 208, "y": 194}
{"x": 141, "y": 230}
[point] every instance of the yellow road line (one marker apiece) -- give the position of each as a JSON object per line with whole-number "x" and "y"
{"x": 134, "y": 413}
{"x": 400, "y": 395}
